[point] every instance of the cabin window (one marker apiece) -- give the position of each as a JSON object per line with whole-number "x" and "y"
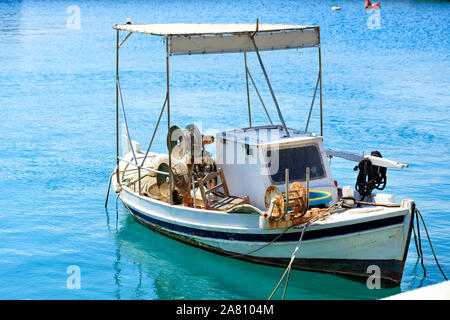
{"x": 297, "y": 160}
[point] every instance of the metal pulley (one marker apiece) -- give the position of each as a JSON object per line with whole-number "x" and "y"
{"x": 274, "y": 201}
{"x": 297, "y": 197}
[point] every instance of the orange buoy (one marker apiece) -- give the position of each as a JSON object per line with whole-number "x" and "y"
{"x": 368, "y": 4}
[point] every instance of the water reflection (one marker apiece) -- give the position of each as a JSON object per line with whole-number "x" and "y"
{"x": 418, "y": 272}
{"x": 117, "y": 271}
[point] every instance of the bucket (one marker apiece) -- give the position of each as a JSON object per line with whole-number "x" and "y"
{"x": 318, "y": 198}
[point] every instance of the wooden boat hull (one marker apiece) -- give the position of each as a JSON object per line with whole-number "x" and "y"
{"x": 347, "y": 248}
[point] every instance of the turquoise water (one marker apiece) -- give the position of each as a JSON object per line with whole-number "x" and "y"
{"x": 385, "y": 89}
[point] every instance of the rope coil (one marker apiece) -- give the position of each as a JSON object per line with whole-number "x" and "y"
{"x": 370, "y": 177}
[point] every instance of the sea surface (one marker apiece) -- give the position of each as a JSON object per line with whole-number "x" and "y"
{"x": 386, "y": 80}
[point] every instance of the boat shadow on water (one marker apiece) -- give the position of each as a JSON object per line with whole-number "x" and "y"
{"x": 177, "y": 271}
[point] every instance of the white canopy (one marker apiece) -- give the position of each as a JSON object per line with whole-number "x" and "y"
{"x": 201, "y": 38}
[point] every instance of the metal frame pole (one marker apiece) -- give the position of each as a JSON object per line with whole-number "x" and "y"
{"x": 168, "y": 119}
{"x": 154, "y": 132}
{"x": 320, "y": 91}
{"x": 139, "y": 180}
{"x": 259, "y": 96}
{"x": 248, "y": 93}
{"x": 312, "y": 103}
{"x": 270, "y": 87}
{"x": 125, "y": 120}
{"x": 117, "y": 108}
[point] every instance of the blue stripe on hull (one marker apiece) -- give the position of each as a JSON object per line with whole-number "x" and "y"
{"x": 287, "y": 237}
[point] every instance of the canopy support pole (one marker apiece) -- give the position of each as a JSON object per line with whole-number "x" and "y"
{"x": 312, "y": 103}
{"x": 128, "y": 35}
{"x": 320, "y": 76}
{"x": 168, "y": 120}
{"x": 270, "y": 87}
{"x": 129, "y": 137}
{"x": 117, "y": 108}
{"x": 154, "y": 132}
{"x": 126, "y": 123}
{"x": 259, "y": 96}
{"x": 248, "y": 93}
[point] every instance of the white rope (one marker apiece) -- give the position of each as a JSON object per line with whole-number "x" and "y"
{"x": 288, "y": 269}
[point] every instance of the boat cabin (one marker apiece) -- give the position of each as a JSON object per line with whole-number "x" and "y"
{"x": 252, "y": 159}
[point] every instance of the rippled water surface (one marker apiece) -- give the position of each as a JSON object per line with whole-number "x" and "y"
{"x": 384, "y": 89}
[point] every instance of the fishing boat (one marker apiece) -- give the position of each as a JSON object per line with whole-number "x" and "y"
{"x": 266, "y": 189}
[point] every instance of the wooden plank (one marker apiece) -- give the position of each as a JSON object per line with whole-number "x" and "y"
{"x": 224, "y": 183}
{"x": 228, "y": 203}
{"x": 209, "y": 177}
{"x": 214, "y": 189}
{"x": 202, "y": 191}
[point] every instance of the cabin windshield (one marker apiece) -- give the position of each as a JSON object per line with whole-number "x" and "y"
{"x": 296, "y": 160}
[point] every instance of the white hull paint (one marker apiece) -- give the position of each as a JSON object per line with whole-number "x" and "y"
{"x": 346, "y": 243}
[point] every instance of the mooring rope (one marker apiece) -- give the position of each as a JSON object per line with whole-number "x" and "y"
{"x": 419, "y": 249}
{"x": 263, "y": 246}
{"x": 237, "y": 255}
{"x": 429, "y": 240}
{"x": 415, "y": 241}
{"x": 337, "y": 205}
{"x": 288, "y": 269}
{"x": 271, "y": 241}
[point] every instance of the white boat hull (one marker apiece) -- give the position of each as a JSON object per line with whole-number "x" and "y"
{"x": 346, "y": 243}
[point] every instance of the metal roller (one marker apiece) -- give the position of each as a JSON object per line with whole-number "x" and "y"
{"x": 274, "y": 197}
